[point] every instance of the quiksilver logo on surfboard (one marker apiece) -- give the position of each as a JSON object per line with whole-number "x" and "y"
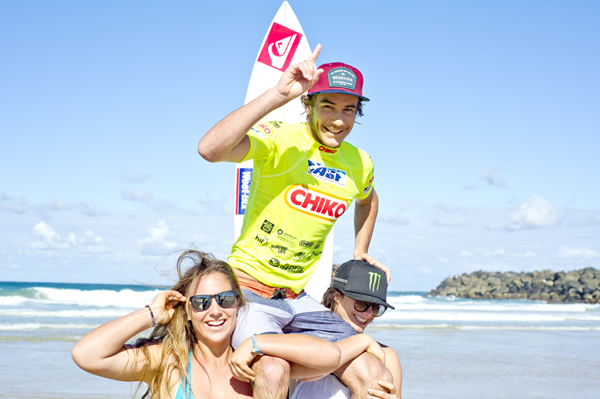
{"x": 279, "y": 47}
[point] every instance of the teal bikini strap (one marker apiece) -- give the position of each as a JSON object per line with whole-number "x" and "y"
{"x": 188, "y": 380}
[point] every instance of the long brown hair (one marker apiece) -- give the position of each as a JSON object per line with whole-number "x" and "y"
{"x": 177, "y": 337}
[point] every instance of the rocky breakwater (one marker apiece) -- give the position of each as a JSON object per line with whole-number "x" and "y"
{"x": 546, "y": 285}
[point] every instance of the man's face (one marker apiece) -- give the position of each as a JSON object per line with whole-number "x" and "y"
{"x": 332, "y": 117}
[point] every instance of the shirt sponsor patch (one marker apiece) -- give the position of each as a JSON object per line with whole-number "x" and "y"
{"x": 329, "y": 175}
{"x": 244, "y": 179}
{"x": 366, "y": 190}
{"x": 315, "y": 203}
{"x": 265, "y": 128}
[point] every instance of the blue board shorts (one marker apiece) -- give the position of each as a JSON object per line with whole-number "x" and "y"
{"x": 302, "y": 315}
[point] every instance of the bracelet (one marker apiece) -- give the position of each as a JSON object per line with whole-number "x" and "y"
{"x": 151, "y": 315}
{"x": 256, "y": 348}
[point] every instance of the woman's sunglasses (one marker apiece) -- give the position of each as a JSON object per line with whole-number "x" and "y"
{"x": 362, "y": 306}
{"x": 226, "y": 299}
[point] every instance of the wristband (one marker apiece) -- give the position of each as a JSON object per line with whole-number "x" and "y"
{"x": 151, "y": 315}
{"x": 256, "y": 348}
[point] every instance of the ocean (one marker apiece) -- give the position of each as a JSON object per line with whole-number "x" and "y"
{"x": 448, "y": 347}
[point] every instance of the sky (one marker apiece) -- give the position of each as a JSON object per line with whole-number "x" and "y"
{"x": 483, "y": 125}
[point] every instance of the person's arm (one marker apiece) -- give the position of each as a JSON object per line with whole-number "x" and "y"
{"x": 365, "y": 214}
{"x": 308, "y": 355}
{"x": 350, "y": 348}
{"x": 390, "y": 391}
{"x": 102, "y": 351}
{"x": 227, "y": 140}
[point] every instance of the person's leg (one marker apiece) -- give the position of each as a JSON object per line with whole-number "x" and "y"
{"x": 314, "y": 319}
{"x": 362, "y": 374}
{"x": 265, "y": 316}
{"x": 271, "y": 378}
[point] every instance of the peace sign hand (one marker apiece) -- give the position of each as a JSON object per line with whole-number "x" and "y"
{"x": 299, "y": 78}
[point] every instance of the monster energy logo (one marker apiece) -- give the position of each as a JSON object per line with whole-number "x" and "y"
{"x": 374, "y": 279}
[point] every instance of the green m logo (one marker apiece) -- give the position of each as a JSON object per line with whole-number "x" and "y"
{"x": 374, "y": 279}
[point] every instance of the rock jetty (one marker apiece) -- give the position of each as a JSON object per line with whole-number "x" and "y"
{"x": 546, "y": 285}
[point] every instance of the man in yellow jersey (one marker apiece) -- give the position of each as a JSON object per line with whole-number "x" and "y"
{"x": 305, "y": 177}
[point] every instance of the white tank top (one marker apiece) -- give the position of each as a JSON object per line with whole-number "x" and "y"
{"x": 326, "y": 388}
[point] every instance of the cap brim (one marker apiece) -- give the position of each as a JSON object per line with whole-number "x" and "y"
{"x": 362, "y": 98}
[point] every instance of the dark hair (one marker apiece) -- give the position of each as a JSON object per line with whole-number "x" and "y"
{"x": 309, "y": 101}
{"x": 329, "y": 298}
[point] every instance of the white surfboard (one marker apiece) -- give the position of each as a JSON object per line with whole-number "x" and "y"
{"x": 284, "y": 44}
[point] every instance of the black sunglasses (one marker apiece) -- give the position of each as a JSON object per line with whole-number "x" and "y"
{"x": 362, "y": 306}
{"x": 226, "y": 299}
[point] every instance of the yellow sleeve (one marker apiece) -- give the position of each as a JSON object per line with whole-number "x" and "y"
{"x": 261, "y": 141}
{"x": 366, "y": 185}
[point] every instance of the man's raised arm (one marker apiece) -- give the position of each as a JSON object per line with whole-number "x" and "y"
{"x": 227, "y": 140}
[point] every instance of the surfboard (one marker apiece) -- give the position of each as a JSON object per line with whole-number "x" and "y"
{"x": 284, "y": 44}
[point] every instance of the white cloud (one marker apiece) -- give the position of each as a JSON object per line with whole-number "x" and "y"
{"x": 578, "y": 253}
{"x": 89, "y": 209}
{"x": 55, "y": 205}
{"x": 465, "y": 253}
{"x": 495, "y": 253}
{"x": 491, "y": 177}
{"x": 134, "y": 177}
{"x": 530, "y": 254}
{"x": 449, "y": 222}
{"x": 134, "y": 195}
{"x": 12, "y": 204}
{"x": 536, "y": 213}
{"x": 157, "y": 238}
{"x": 92, "y": 242}
{"x": 394, "y": 218}
{"x": 50, "y": 239}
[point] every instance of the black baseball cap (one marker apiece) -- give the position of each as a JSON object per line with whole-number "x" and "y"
{"x": 358, "y": 279}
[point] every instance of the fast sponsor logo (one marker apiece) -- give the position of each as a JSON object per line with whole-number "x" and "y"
{"x": 327, "y": 150}
{"x": 265, "y": 128}
{"x": 242, "y": 187}
{"x": 329, "y": 175}
{"x": 280, "y": 47}
{"x": 315, "y": 203}
{"x": 318, "y": 245}
{"x": 306, "y": 244}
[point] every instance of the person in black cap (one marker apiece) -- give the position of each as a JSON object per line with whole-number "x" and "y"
{"x": 357, "y": 294}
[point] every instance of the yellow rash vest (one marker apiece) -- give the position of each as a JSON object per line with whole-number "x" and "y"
{"x": 299, "y": 189}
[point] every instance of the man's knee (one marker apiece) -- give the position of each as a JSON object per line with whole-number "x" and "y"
{"x": 273, "y": 368}
{"x": 362, "y": 373}
{"x": 272, "y": 375}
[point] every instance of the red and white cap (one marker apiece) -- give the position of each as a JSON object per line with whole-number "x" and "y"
{"x": 338, "y": 77}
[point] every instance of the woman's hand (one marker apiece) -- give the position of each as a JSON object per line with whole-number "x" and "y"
{"x": 240, "y": 361}
{"x": 387, "y": 391}
{"x": 163, "y": 306}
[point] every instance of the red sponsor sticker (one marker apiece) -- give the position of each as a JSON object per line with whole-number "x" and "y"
{"x": 327, "y": 150}
{"x": 315, "y": 203}
{"x": 280, "y": 47}
{"x": 265, "y": 128}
